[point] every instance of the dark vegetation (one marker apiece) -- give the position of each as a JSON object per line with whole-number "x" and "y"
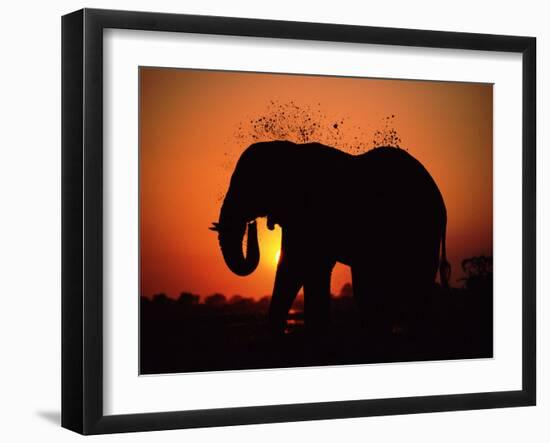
{"x": 188, "y": 334}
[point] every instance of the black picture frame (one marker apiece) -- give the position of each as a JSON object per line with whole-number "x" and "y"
{"x": 82, "y": 218}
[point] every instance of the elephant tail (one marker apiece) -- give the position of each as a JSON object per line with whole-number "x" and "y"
{"x": 444, "y": 265}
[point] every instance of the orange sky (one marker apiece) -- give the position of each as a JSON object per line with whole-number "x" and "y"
{"x": 194, "y": 124}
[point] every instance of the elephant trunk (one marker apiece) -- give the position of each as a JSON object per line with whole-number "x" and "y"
{"x": 231, "y": 232}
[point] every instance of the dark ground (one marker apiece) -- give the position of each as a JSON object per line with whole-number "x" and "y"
{"x": 186, "y": 336}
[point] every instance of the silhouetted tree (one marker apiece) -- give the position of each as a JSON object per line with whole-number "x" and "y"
{"x": 161, "y": 298}
{"x": 236, "y": 299}
{"x": 215, "y": 300}
{"x": 188, "y": 299}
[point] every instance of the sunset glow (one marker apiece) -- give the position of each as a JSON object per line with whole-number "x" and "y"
{"x": 194, "y": 124}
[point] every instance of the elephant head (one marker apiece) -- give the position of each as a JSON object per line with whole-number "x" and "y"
{"x": 252, "y": 193}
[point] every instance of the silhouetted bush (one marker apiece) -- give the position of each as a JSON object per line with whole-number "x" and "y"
{"x": 479, "y": 273}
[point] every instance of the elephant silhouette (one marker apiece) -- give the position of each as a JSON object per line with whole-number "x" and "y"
{"x": 380, "y": 212}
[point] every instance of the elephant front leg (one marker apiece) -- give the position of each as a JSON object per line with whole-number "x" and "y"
{"x": 287, "y": 285}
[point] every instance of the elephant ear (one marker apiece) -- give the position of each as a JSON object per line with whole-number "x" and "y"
{"x": 290, "y": 194}
{"x": 293, "y": 205}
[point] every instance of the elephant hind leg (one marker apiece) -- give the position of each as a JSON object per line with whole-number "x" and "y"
{"x": 392, "y": 306}
{"x": 370, "y": 299}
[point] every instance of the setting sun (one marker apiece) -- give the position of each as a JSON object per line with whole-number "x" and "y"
{"x": 277, "y": 256}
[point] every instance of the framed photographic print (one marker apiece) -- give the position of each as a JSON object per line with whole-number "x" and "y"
{"x": 269, "y": 221}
